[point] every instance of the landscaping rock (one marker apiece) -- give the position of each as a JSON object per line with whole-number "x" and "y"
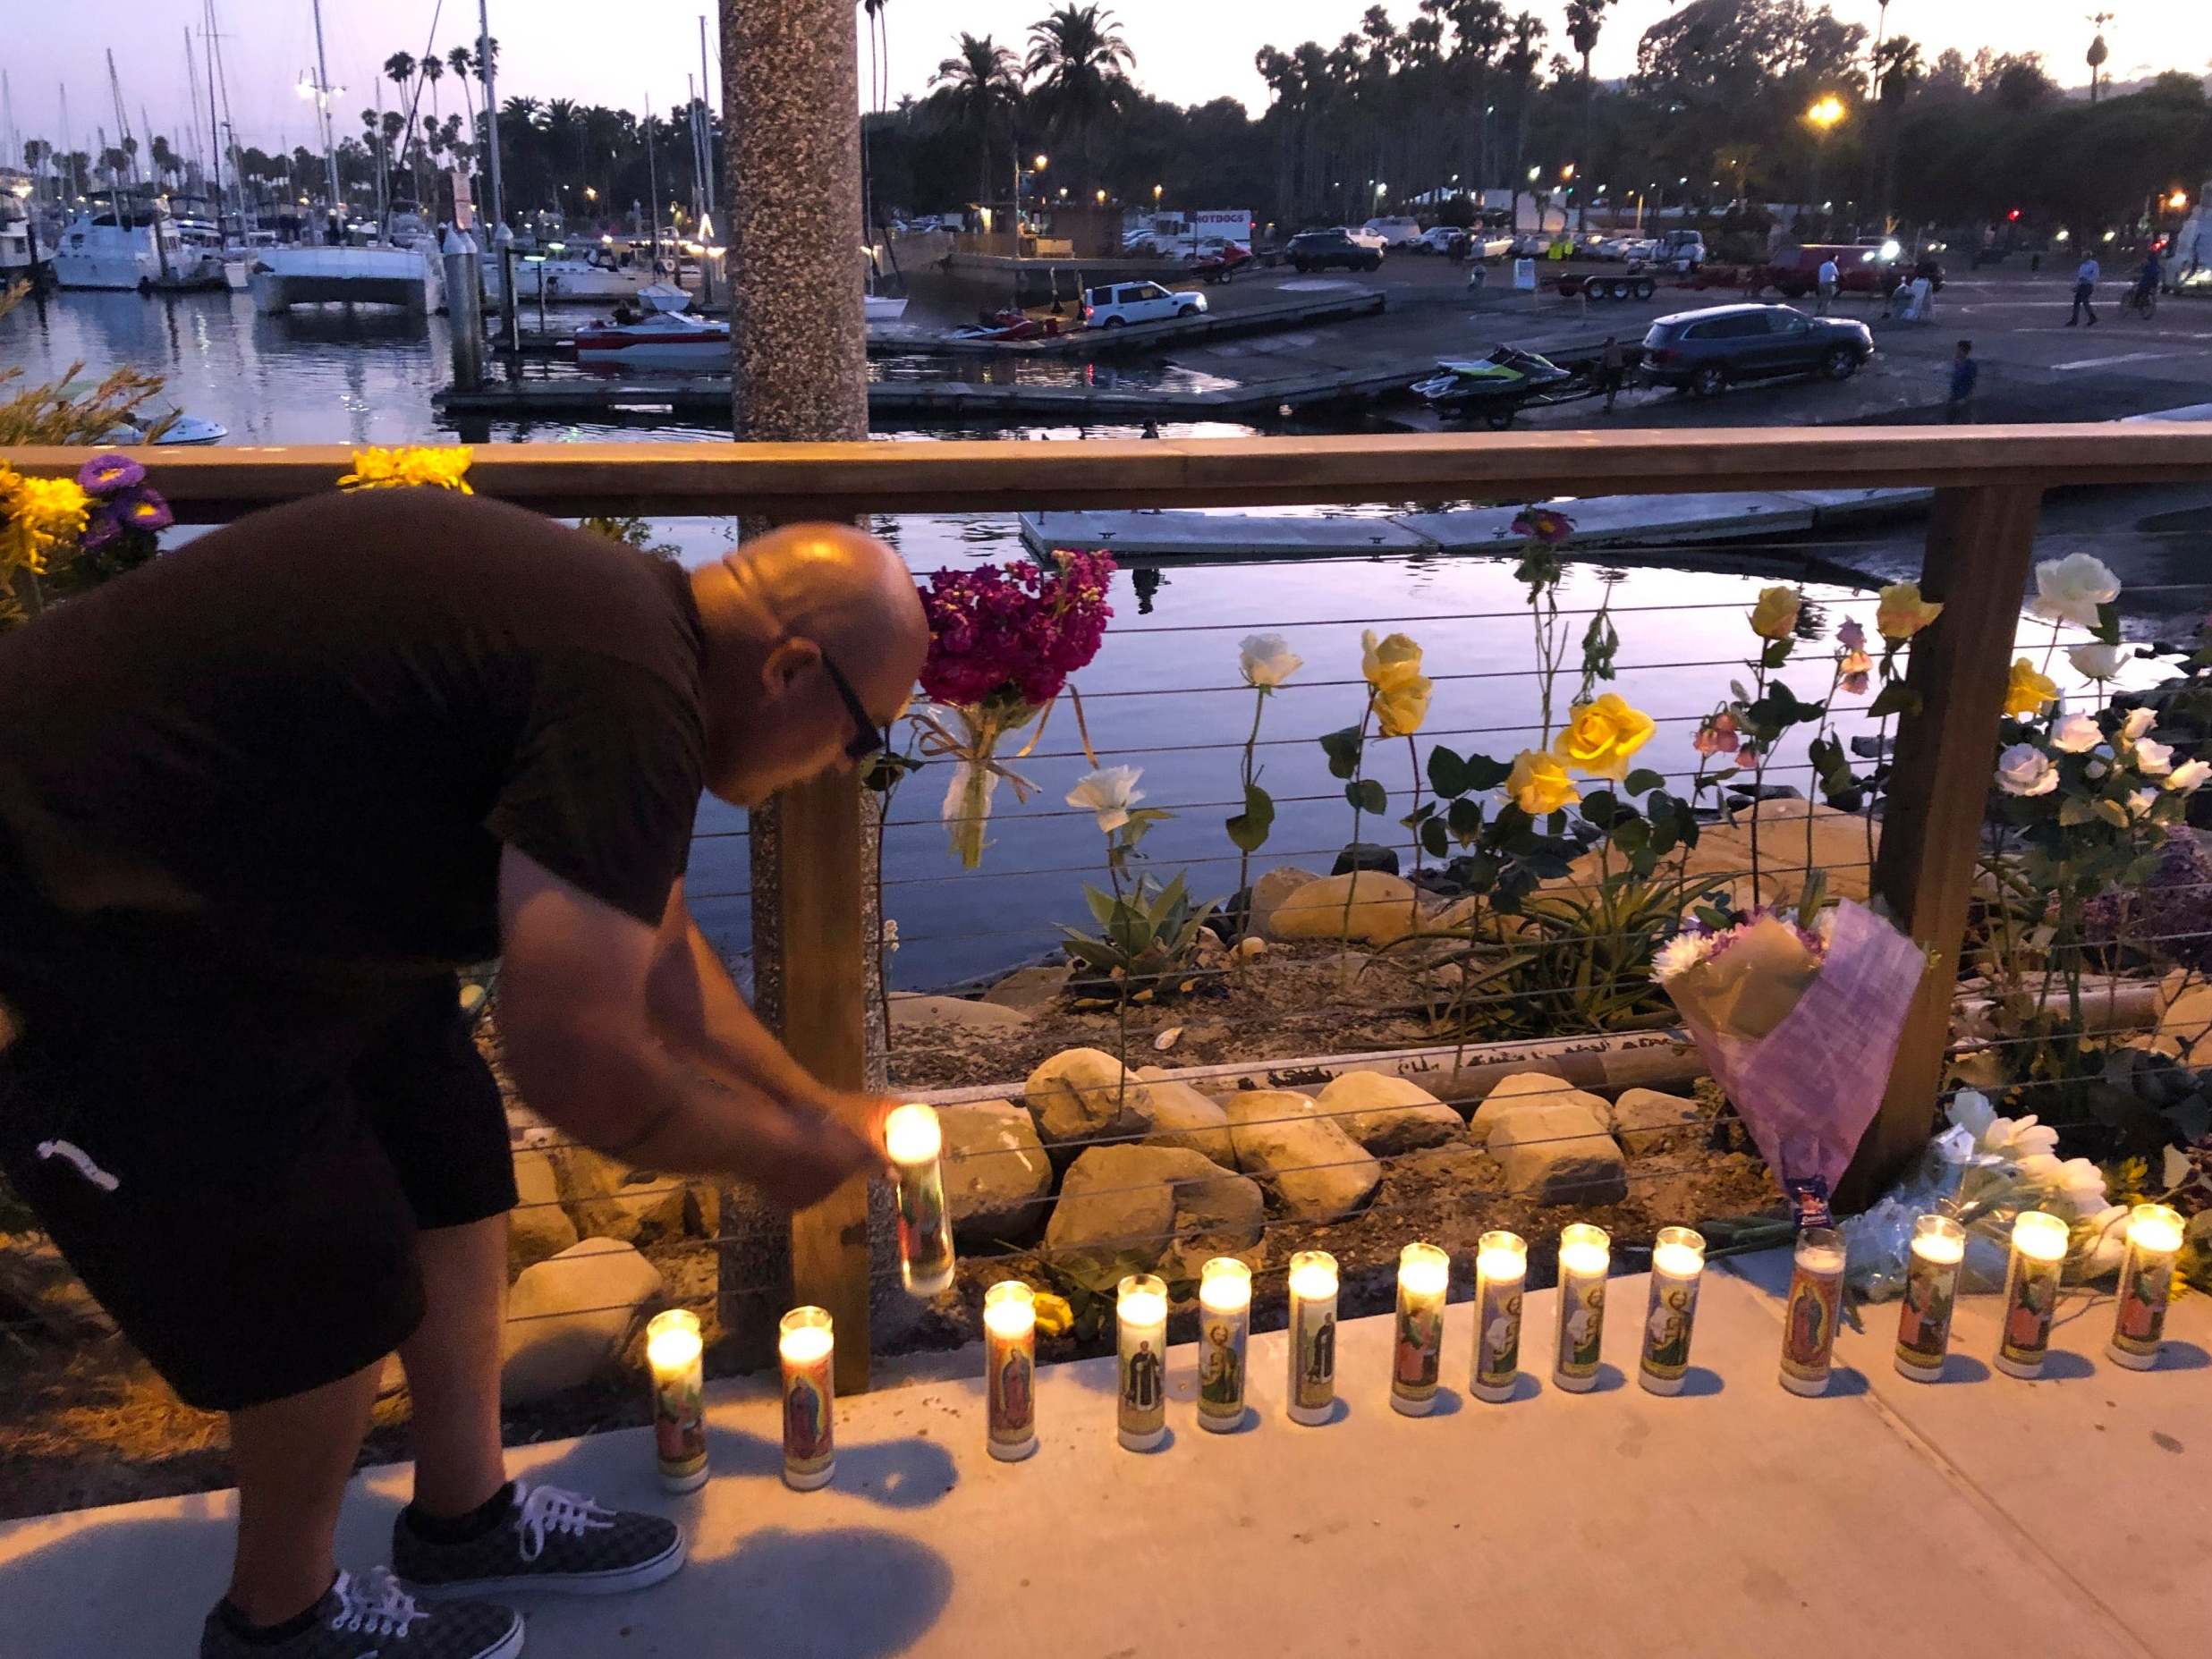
{"x": 1839, "y": 847}
{"x": 1182, "y": 1117}
{"x": 1133, "y": 1209}
{"x": 569, "y": 1317}
{"x": 1030, "y": 989}
{"x": 702, "y": 1210}
{"x": 1082, "y": 1094}
{"x": 2186, "y": 1016}
{"x": 998, "y": 1179}
{"x": 37, "y": 1285}
{"x": 914, "y": 1012}
{"x": 1559, "y": 1154}
{"x": 1389, "y": 1114}
{"x": 1383, "y": 907}
{"x": 606, "y": 1201}
{"x": 1525, "y": 1089}
{"x": 1315, "y": 1170}
{"x": 1646, "y": 1120}
{"x": 538, "y": 1226}
{"x": 1365, "y": 855}
{"x": 1269, "y": 892}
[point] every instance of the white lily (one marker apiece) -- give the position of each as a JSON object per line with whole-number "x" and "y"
{"x": 2096, "y": 660}
{"x": 2018, "y": 1138}
{"x": 1109, "y": 792}
{"x": 2076, "y": 735}
{"x": 1265, "y": 661}
{"x": 2070, "y": 590}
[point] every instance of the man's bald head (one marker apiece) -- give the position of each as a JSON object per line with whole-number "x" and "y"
{"x": 785, "y": 615}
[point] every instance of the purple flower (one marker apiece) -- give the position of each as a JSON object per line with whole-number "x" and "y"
{"x": 1851, "y": 636}
{"x": 101, "y": 529}
{"x": 1016, "y": 630}
{"x": 104, "y": 476}
{"x": 144, "y": 510}
{"x": 1542, "y": 524}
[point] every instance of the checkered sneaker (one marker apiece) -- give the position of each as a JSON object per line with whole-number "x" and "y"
{"x": 552, "y": 1540}
{"x": 373, "y": 1617}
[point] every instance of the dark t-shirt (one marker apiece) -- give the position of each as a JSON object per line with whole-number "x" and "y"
{"x": 289, "y": 753}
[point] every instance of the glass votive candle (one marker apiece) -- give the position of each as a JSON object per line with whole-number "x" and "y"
{"x": 1140, "y": 1318}
{"x": 1677, "y": 1271}
{"x": 807, "y": 1346}
{"x": 1225, "y": 1321}
{"x": 1931, "y": 1293}
{"x": 1010, "y": 1368}
{"x": 1501, "y": 1278}
{"x": 2154, "y": 1235}
{"x": 1815, "y": 1303}
{"x": 1585, "y": 1256}
{"x": 1424, "y": 1279}
{"x": 2031, "y": 1285}
{"x": 1311, "y": 1398}
{"x": 675, "y": 1355}
{"x": 915, "y": 1142}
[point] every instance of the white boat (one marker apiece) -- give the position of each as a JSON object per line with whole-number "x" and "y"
{"x": 884, "y": 309}
{"x": 405, "y": 277}
{"x": 185, "y": 429}
{"x": 666, "y": 342}
{"x": 98, "y": 252}
{"x": 201, "y": 259}
{"x": 16, "y": 251}
{"x": 604, "y": 273}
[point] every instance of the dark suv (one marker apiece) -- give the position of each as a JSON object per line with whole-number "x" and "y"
{"x": 1702, "y": 351}
{"x": 1318, "y": 251}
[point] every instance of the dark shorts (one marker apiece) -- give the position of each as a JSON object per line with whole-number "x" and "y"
{"x": 248, "y": 1218}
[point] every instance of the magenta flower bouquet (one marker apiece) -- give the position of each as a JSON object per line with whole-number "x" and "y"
{"x": 1003, "y": 641}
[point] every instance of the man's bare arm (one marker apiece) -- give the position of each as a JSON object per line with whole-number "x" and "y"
{"x": 572, "y": 1014}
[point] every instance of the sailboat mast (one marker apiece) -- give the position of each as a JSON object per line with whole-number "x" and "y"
{"x": 706, "y": 121}
{"x": 215, "y": 136}
{"x": 322, "y": 105}
{"x": 652, "y": 182}
{"x": 484, "y": 55}
{"x": 69, "y": 144}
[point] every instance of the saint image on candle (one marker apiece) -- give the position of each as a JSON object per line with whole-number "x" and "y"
{"x": 1140, "y": 1315}
{"x": 1424, "y": 1276}
{"x": 1501, "y": 1276}
{"x": 915, "y": 1141}
{"x": 1225, "y": 1322}
{"x": 2154, "y": 1239}
{"x": 1815, "y": 1305}
{"x": 1010, "y": 1368}
{"x": 1312, "y": 1346}
{"x": 1931, "y": 1294}
{"x": 1585, "y": 1258}
{"x": 674, "y": 1354}
{"x": 806, "y": 1346}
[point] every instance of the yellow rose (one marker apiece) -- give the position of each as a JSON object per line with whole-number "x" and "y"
{"x": 392, "y": 469}
{"x": 1774, "y": 616}
{"x": 1539, "y": 784}
{"x": 37, "y": 515}
{"x": 1902, "y": 613}
{"x": 1600, "y": 737}
{"x": 2027, "y": 693}
{"x": 1400, "y": 697}
{"x": 1054, "y": 1318}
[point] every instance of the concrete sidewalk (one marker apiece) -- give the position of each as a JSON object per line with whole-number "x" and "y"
{"x": 1980, "y": 1517}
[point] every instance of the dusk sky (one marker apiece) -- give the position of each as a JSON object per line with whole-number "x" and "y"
{"x": 617, "y": 54}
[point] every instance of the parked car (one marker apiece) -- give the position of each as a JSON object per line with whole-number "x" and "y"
{"x": 1438, "y": 239}
{"x": 1861, "y": 268}
{"x": 1331, "y": 249}
{"x": 1395, "y": 233}
{"x": 1367, "y": 236}
{"x": 1489, "y": 245}
{"x": 1705, "y": 351}
{"x": 1137, "y": 303}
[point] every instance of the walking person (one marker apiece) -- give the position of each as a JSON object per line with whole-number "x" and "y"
{"x": 1965, "y": 374}
{"x": 2085, "y": 280}
{"x": 1611, "y": 370}
{"x": 258, "y": 801}
{"x": 1828, "y": 279}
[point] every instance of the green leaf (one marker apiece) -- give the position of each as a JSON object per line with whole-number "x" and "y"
{"x": 1249, "y": 829}
{"x": 1643, "y": 780}
{"x": 1485, "y": 774}
{"x": 2108, "y": 623}
{"x": 1632, "y": 835}
{"x": 1102, "y": 905}
{"x": 1777, "y": 652}
{"x": 1896, "y": 698}
{"x": 1447, "y": 772}
{"x": 1367, "y": 795}
{"x": 1780, "y": 709}
{"x": 1434, "y": 839}
{"x": 1342, "y": 749}
{"x": 1465, "y": 819}
{"x": 1598, "y": 807}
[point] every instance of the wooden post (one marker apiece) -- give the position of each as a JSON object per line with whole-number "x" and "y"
{"x": 1980, "y": 542}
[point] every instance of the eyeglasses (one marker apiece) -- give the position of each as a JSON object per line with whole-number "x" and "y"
{"x": 867, "y": 736}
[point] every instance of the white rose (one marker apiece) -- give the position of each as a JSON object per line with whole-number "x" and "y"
{"x": 2024, "y": 769}
{"x": 2018, "y": 1138}
{"x": 1970, "y": 1109}
{"x": 2137, "y": 723}
{"x": 2140, "y": 802}
{"x": 2096, "y": 660}
{"x": 2107, "y": 1245}
{"x": 2154, "y": 760}
{"x": 1110, "y": 794}
{"x": 2070, "y": 590}
{"x": 1266, "y": 662}
{"x": 2188, "y": 777}
{"x": 2076, "y": 735}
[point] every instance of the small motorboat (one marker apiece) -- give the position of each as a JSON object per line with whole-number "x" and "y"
{"x": 667, "y": 341}
{"x": 182, "y": 429}
{"x": 1495, "y": 387}
{"x": 1011, "y": 323}
{"x": 1218, "y": 265}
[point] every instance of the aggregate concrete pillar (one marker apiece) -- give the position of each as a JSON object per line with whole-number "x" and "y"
{"x": 791, "y": 220}
{"x": 465, "y": 311}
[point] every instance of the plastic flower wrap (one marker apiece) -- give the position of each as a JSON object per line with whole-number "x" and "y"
{"x": 396, "y": 469}
{"x": 1799, "y": 1025}
{"x": 1003, "y": 641}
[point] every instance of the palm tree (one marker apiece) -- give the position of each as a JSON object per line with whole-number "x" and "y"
{"x": 37, "y": 152}
{"x": 976, "y": 89}
{"x": 433, "y": 70}
{"x": 166, "y": 161}
{"x": 1080, "y": 63}
{"x": 400, "y": 70}
{"x": 1585, "y": 19}
{"x": 1519, "y": 61}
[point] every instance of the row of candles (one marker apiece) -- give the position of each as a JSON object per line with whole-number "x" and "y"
{"x": 806, "y": 1339}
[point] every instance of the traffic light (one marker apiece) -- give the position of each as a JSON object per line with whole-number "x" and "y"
{"x": 2014, "y": 215}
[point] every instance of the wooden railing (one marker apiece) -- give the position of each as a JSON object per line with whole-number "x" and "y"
{"x": 1990, "y": 482}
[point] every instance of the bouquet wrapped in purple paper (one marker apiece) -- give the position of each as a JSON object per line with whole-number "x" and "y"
{"x": 1799, "y": 1025}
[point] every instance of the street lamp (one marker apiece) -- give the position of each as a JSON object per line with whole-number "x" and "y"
{"x": 1158, "y": 192}
{"x": 1826, "y": 110}
{"x": 2178, "y": 201}
{"x": 1102, "y": 199}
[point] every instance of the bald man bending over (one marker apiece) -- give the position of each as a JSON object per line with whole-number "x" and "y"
{"x": 257, "y": 801}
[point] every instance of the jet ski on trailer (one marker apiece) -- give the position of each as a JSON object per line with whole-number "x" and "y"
{"x": 1493, "y": 388}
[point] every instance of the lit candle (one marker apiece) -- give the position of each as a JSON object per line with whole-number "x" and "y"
{"x": 1225, "y": 1318}
{"x": 1585, "y": 1254}
{"x": 1501, "y": 1276}
{"x": 1815, "y": 1303}
{"x": 2031, "y": 1292}
{"x": 806, "y": 1345}
{"x": 1424, "y": 1275}
{"x": 672, "y": 1353}
{"x": 1010, "y": 1368}
{"x": 1141, "y": 1314}
{"x": 1931, "y": 1293}
{"x": 2154, "y": 1237}
{"x": 1677, "y": 1269}
{"x": 1311, "y": 1397}
{"x": 914, "y": 1141}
